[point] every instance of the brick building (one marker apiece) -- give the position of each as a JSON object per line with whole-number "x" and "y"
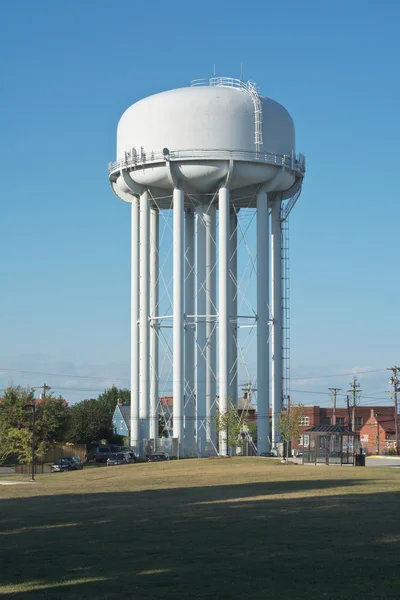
{"x": 316, "y": 415}
{"x": 378, "y": 433}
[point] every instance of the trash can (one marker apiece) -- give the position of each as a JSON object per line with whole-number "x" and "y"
{"x": 359, "y": 460}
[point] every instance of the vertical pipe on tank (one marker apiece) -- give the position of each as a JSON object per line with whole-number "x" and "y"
{"x": 189, "y": 336}
{"x": 154, "y": 228}
{"x": 223, "y": 310}
{"x": 262, "y": 323}
{"x": 134, "y": 421}
{"x": 178, "y": 330}
{"x": 276, "y": 301}
{"x": 144, "y": 313}
{"x": 210, "y": 219}
{"x": 233, "y": 259}
{"x": 201, "y": 329}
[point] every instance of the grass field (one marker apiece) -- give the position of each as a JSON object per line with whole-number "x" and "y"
{"x": 212, "y": 529}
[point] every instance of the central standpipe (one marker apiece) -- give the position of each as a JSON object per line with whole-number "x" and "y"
{"x": 223, "y": 309}
{"x": 190, "y": 423}
{"x": 276, "y": 297}
{"x": 178, "y": 316}
{"x": 210, "y": 219}
{"x": 262, "y": 324}
{"x": 135, "y": 423}
{"x": 144, "y": 314}
{"x": 154, "y": 228}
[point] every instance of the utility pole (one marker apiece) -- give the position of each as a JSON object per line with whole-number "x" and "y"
{"x": 354, "y": 391}
{"x": 395, "y": 383}
{"x": 334, "y": 392}
{"x": 348, "y": 410}
{"x": 45, "y": 388}
{"x": 33, "y": 408}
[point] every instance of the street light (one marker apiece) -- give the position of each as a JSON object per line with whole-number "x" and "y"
{"x": 33, "y": 407}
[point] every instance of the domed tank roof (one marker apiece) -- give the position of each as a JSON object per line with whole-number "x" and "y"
{"x": 209, "y": 117}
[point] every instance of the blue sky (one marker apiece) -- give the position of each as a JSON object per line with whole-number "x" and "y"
{"x": 69, "y": 70}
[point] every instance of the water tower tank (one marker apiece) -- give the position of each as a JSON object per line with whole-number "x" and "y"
{"x": 201, "y": 127}
{"x": 211, "y": 152}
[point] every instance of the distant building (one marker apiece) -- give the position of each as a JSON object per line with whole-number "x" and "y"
{"x": 378, "y": 434}
{"x": 315, "y": 415}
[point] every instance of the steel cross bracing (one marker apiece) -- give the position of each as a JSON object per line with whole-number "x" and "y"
{"x": 162, "y": 321}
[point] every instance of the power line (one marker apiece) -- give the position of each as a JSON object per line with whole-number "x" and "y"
{"x": 89, "y": 377}
{"x": 63, "y": 375}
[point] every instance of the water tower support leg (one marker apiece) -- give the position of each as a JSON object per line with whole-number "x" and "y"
{"x": 210, "y": 218}
{"x": 189, "y": 336}
{"x": 200, "y": 330}
{"x": 135, "y": 423}
{"x": 233, "y": 261}
{"x": 262, "y": 323}
{"x": 233, "y": 353}
{"x": 178, "y": 331}
{"x": 144, "y": 313}
{"x": 223, "y": 310}
{"x": 276, "y": 338}
{"x": 154, "y": 228}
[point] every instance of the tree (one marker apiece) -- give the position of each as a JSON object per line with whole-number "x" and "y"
{"x": 230, "y": 425}
{"x": 109, "y": 399}
{"x": 289, "y": 425}
{"x": 16, "y": 423}
{"x": 91, "y": 420}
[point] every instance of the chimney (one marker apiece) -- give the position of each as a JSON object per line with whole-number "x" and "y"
{"x": 119, "y": 402}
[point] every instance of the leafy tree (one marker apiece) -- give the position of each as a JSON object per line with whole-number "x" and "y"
{"x": 109, "y": 398}
{"x": 16, "y": 423}
{"x": 229, "y": 425}
{"x": 91, "y": 420}
{"x": 88, "y": 422}
{"x": 289, "y": 425}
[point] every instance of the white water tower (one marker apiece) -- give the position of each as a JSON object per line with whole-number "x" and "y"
{"x": 206, "y": 151}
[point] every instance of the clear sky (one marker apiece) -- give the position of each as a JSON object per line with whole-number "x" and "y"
{"x": 69, "y": 70}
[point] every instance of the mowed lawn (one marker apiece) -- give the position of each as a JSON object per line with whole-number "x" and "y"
{"x": 212, "y": 529}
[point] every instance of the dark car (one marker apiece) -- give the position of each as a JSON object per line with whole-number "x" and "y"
{"x": 157, "y": 457}
{"x": 67, "y": 463}
{"x": 101, "y": 453}
{"x": 267, "y": 454}
{"x": 120, "y": 458}
{"x": 128, "y": 450}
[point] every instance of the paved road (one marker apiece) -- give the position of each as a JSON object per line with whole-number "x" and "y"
{"x": 6, "y": 470}
{"x": 381, "y": 461}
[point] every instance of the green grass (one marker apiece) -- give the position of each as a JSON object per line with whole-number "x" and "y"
{"x": 209, "y": 529}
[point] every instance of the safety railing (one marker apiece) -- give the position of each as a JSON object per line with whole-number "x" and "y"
{"x": 139, "y": 158}
{"x": 224, "y": 82}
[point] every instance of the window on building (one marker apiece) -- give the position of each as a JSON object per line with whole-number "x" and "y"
{"x": 325, "y": 420}
{"x": 340, "y": 421}
{"x": 359, "y": 421}
{"x": 306, "y": 440}
{"x": 304, "y": 420}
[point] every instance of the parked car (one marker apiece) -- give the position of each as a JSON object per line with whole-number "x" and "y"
{"x": 157, "y": 457}
{"x": 101, "y": 453}
{"x": 267, "y": 454}
{"x": 67, "y": 463}
{"x": 128, "y": 450}
{"x": 120, "y": 458}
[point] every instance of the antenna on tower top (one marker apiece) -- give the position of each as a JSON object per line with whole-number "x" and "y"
{"x": 214, "y": 71}
{"x": 241, "y": 72}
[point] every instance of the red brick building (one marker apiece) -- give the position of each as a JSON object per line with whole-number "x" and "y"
{"x": 316, "y": 415}
{"x": 378, "y": 433}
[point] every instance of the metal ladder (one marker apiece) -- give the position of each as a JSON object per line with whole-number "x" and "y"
{"x": 285, "y": 308}
{"x": 250, "y": 87}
